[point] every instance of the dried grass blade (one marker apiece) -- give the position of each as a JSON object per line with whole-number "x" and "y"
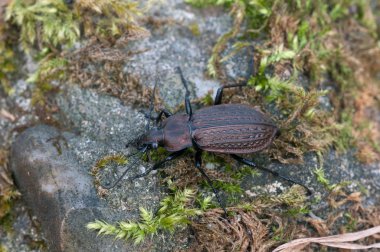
{"x": 339, "y": 241}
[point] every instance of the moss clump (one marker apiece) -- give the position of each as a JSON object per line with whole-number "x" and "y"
{"x": 7, "y": 61}
{"x": 118, "y": 159}
{"x": 7, "y": 191}
{"x": 48, "y": 30}
{"x": 249, "y": 224}
{"x": 54, "y": 24}
{"x": 174, "y": 212}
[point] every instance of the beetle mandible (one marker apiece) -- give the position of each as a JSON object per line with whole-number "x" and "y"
{"x": 222, "y": 128}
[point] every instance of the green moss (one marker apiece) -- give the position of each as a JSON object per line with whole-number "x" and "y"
{"x": 50, "y": 28}
{"x": 345, "y": 139}
{"x": 3, "y": 248}
{"x": 7, "y": 58}
{"x": 207, "y": 100}
{"x": 351, "y": 222}
{"x": 118, "y": 159}
{"x": 321, "y": 178}
{"x": 52, "y": 24}
{"x": 194, "y": 28}
{"x": 174, "y": 212}
{"x": 156, "y": 155}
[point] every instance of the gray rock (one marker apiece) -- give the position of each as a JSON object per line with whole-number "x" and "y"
{"x": 51, "y": 184}
{"x": 61, "y": 194}
{"x": 175, "y": 45}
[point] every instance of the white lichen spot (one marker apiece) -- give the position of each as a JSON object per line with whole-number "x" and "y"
{"x": 250, "y": 194}
{"x": 49, "y": 188}
{"x": 272, "y": 188}
{"x": 142, "y": 169}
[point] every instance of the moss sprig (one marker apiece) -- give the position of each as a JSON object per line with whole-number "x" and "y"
{"x": 174, "y": 212}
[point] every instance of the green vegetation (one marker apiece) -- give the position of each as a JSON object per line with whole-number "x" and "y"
{"x": 117, "y": 159}
{"x": 7, "y": 192}
{"x": 53, "y": 24}
{"x": 49, "y": 29}
{"x": 174, "y": 212}
{"x": 333, "y": 188}
{"x": 7, "y": 58}
{"x": 320, "y": 174}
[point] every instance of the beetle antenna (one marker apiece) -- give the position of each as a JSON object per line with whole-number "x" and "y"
{"x": 151, "y": 106}
{"x": 124, "y": 173}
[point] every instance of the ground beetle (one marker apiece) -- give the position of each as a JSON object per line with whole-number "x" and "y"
{"x": 222, "y": 128}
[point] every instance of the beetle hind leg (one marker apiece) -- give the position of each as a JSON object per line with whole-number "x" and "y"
{"x": 253, "y": 165}
{"x": 198, "y": 164}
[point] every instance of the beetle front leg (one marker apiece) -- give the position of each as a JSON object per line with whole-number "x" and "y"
{"x": 158, "y": 165}
{"x": 155, "y": 167}
{"x": 252, "y": 164}
{"x": 198, "y": 164}
{"x": 158, "y": 118}
{"x": 189, "y": 110}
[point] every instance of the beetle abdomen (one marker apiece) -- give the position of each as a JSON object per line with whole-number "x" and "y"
{"x": 232, "y": 128}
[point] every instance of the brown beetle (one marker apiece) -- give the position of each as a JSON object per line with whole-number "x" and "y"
{"x": 222, "y": 128}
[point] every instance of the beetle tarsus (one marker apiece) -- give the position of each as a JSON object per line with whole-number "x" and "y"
{"x": 252, "y": 164}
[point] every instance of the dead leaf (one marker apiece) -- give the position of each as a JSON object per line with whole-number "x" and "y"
{"x": 5, "y": 114}
{"x": 336, "y": 241}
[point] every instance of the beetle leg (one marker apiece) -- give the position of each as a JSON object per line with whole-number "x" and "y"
{"x": 155, "y": 167}
{"x": 219, "y": 92}
{"x": 198, "y": 164}
{"x": 251, "y": 65}
{"x": 187, "y": 95}
{"x": 158, "y": 165}
{"x": 157, "y": 118}
{"x": 119, "y": 179}
{"x": 252, "y": 164}
{"x": 163, "y": 112}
